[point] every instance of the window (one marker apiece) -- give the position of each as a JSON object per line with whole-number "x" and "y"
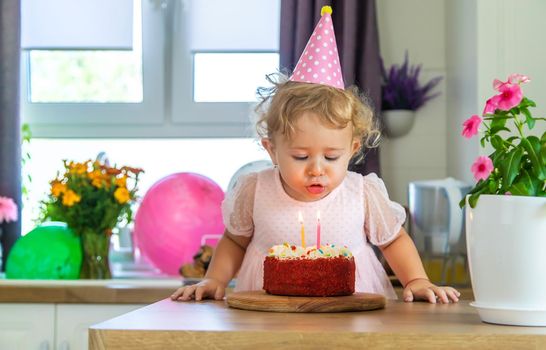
{"x": 145, "y": 68}
{"x": 84, "y": 67}
{"x": 212, "y": 82}
{"x": 217, "y": 159}
{"x": 84, "y": 76}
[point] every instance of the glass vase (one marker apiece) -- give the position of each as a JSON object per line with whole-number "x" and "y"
{"x": 95, "y": 249}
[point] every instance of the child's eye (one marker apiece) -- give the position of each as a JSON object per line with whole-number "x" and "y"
{"x": 299, "y": 157}
{"x": 332, "y": 158}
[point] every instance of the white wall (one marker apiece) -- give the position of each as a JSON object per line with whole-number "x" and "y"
{"x": 462, "y": 96}
{"x": 419, "y": 27}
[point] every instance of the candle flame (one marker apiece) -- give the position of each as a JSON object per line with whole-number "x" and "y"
{"x": 300, "y": 217}
{"x": 318, "y": 215}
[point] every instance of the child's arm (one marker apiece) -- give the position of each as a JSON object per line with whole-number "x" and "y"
{"x": 225, "y": 263}
{"x": 404, "y": 260}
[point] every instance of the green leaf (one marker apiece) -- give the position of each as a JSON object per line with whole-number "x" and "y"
{"x": 473, "y": 200}
{"x": 527, "y": 102}
{"x": 528, "y": 118}
{"x": 525, "y": 185}
{"x": 496, "y": 130}
{"x": 497, "y": 142}
{"x": 510, "y": 167}
{"x": 480, "y": 187}
{"x": 510, "y": 140}
{"x": 543, "y": 147}
{"x": 492, "y": 187}
{"x": 543, "y": 152}
{"x": 498, "y": 124}
{"x": 538, "y": 166}
{"x": 462, "y": 202}
{"x": 496, "y": 155}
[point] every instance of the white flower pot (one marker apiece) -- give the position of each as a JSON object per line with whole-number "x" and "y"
{"x": 506, "y": 242}
{"x": 398, "y": 122}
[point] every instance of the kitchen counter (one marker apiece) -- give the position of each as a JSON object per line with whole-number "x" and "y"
{"x": 112, "y": 291}
{"x": 211, "y": 324}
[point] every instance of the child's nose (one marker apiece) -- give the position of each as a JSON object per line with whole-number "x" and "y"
{"x": 316, "y": 168}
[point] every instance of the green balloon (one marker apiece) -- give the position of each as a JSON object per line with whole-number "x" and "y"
{"x": 50, "y": 251}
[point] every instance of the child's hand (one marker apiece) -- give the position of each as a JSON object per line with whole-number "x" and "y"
{"x": 207, "y": 288}
{"x": 423, "y": 289}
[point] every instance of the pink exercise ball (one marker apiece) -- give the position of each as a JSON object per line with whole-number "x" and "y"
{"x": 174, "y": 215}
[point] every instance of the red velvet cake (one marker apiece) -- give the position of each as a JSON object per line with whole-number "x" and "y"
{"x": 298, "y": 271}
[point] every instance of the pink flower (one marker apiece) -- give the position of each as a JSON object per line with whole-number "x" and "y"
{"x": 518, "y": 79}
{"x": 8, "y": 209}
{"x": 497, "y": 83}
{"x": 512, "y": 79}
{"x": 482, "y": 167}
{"x": 491, "y": 105}
{"x": 510, "y": 96}
{"x": 471, "y": 125}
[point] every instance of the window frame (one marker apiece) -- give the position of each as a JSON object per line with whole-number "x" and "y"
{"x": 167, "y": 110}
{"x": 96, "y": 119}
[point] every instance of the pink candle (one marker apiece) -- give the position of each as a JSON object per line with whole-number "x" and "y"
{"x": 318, "y": 229}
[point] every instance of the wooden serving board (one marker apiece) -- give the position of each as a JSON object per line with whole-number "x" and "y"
{"x": 261, "y": 301}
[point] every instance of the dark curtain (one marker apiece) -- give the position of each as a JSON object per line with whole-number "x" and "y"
{"x": 357, "y": 39}
{"x": 10, "y": 128}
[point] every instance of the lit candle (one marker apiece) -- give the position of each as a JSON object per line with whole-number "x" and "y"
{"x": 300, "y": 217}
{"x": 318, "y": 229}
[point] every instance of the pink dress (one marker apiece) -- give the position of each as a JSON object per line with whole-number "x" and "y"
{"x": 357, "y": 213}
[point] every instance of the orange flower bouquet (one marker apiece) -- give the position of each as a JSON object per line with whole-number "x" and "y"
{"x": 92, "y": 198}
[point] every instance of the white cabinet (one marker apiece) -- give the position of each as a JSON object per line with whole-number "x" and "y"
{"x": 53, "y": 326}
{"x": 73, "y": 321}
{"x": 27, "y": 326}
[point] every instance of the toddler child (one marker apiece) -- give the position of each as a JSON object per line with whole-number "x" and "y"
{"x": 312, "y": 127}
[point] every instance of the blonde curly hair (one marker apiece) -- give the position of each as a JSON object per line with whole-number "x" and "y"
{"x": 282, "y": 105}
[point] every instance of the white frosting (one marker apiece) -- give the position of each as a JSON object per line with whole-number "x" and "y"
{"x": 287, "y": 251}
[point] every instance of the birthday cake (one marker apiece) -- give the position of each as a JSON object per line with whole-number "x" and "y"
{"x": 298, "y": 271}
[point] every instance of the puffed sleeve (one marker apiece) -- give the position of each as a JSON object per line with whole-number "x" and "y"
{"x": 238, "y": 206}
{"x": 383, "y": 218}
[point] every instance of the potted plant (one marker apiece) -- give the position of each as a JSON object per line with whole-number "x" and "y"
{"x": 402, "y": 95}
{"x": 92, "y": 198}
{"x": 506, "y": 210}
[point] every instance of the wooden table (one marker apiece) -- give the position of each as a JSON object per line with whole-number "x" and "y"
{"x": 211, "y": 324}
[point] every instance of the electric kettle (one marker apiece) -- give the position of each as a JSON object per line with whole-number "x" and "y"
{"x": 436, "y": 224}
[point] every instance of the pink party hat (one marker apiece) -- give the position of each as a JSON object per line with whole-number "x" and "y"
{"x": 319, "y": 62}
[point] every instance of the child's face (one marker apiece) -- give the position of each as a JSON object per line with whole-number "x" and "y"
{"x": 314, "y": 160}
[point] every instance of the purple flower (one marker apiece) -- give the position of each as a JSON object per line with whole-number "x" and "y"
{"x": 401, "y": 88}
